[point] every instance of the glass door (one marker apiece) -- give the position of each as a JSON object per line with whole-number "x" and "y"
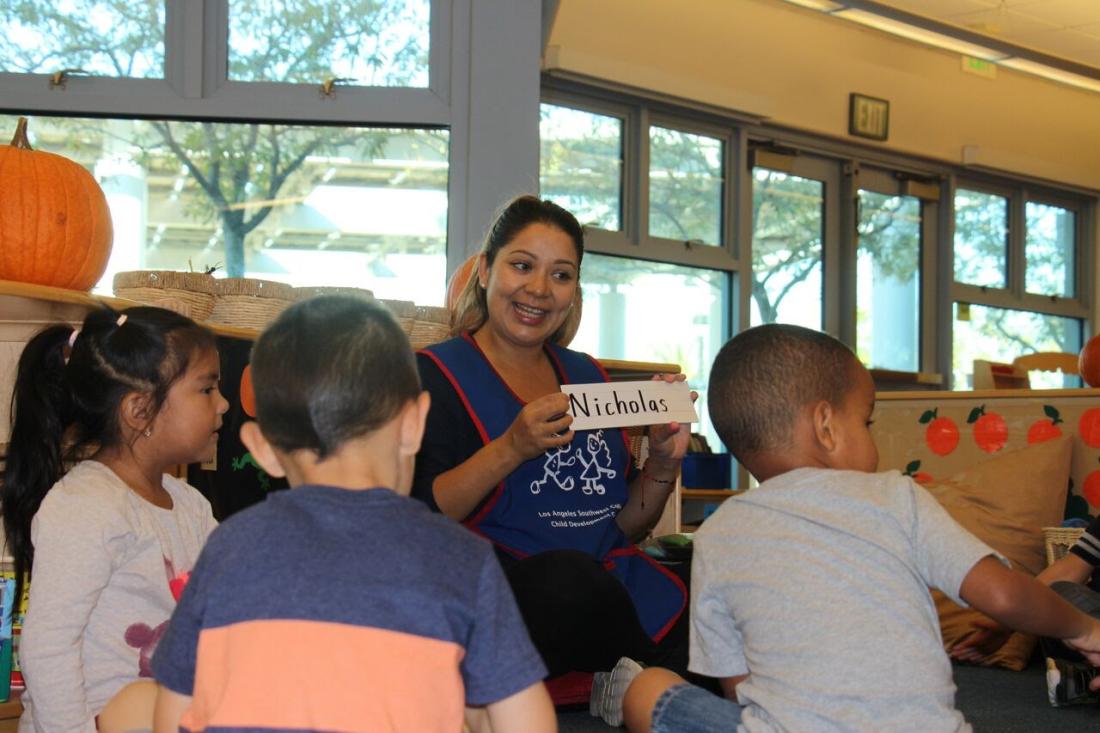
{"x": 792, "y": 198}
{"x": 888, "y": 274}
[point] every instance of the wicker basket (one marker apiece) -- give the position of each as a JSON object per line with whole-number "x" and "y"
{"x": 249, "y": 303}
{"x": 188, "y": 293}
{"x": 430, "y": 326}
{"x": 404, "y": 311}
{"x": 313, "y": 291}
{"x": 1058, "y": 540}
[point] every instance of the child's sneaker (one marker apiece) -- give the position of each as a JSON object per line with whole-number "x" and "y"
{"x": 1068, "y": 682}
{"x": 609, "y": 689}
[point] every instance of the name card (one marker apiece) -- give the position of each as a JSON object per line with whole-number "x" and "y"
{"x": 621, "y": 404}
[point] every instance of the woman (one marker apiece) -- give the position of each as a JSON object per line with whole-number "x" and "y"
{"x": 560, "y": 506}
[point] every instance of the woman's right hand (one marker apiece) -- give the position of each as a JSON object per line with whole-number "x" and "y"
{"x": 541, "y": 425}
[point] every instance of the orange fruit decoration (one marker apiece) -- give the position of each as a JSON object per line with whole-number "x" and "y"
{"x": 942, "y": 435}
{"x": 921, "y": 477}
{"x": 990, "y": 430}
{"x": 1088, "y": 427}
{"x": 458, "y": 280}
{"x": 1045, "y": 429}
{"x": 55, "y": 227}
{"x": 248, "y": 394}
{"x": 1088, "y": 363}
{"x": 1091, "y": 489}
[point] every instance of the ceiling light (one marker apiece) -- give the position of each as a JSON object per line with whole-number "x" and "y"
{"x": 920, "y": 35}
{"x": 826, "y": 5}
{"x": 1052, "y": 73}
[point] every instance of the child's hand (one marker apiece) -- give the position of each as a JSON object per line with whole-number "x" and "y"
{"x": 986, "y": 637}
{"x": 1089, "y": 646}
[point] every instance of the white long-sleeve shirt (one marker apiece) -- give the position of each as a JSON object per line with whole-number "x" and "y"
{"x": 101, "y": 592}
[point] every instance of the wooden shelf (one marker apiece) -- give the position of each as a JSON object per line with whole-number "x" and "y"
{"x": 92, "y": 300}
{"x": 709, "y": 493}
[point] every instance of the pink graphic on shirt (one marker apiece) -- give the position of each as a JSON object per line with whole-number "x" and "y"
{"x": 145, "y": 638}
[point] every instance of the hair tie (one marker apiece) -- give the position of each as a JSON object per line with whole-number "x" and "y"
{"x": 72, "y": 340}
{"x": 121, "y": 320}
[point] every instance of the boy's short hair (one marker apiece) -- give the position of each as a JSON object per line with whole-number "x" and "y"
{"x": 330, "y": 369}
{"x": 764, "y": 376}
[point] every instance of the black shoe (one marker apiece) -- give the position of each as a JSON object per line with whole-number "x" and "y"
{"x": 1068, "y": 683}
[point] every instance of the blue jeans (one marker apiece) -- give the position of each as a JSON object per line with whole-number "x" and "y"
{"x": 690, "y": 709}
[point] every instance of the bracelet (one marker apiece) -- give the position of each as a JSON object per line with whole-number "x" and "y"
{"x": 649, "y": 476}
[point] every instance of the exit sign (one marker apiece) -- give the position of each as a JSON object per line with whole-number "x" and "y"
{"x": 868, "y": 117}
{"x": 979, "y": 67}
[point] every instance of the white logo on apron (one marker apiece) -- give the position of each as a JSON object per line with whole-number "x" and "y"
{"x": 594, "y": 458}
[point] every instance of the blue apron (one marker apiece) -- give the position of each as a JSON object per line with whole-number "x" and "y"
{"x": 566, "y": 498}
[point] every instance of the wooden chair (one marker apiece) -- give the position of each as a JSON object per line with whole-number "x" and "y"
{"x": 1047, "y": 361}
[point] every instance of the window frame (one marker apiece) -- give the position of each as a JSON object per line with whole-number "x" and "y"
{"x": 938, "y": 290}
{"x": 195, "y": 84}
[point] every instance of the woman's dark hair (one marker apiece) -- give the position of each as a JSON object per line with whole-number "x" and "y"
{"x": 330, "y": 369}
{"x": 471, "y": 310}
{"x": 67, "y": 396}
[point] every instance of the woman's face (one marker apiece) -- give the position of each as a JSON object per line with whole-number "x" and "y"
{"x": 529, "y": 289}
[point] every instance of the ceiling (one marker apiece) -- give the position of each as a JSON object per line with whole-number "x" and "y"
{"x": 1067, "y": 29}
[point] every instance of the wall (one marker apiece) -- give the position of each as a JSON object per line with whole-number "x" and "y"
{"x": 796, "y": 67}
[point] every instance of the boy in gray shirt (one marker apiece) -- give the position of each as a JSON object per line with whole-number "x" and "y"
{"x": 810, "y": 595}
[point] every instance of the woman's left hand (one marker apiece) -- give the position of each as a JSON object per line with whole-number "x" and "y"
{"x": 668, "y": 442}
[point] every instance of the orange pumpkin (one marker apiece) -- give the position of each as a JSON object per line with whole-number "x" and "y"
{"x": 1088, "y": 363}
{"x": 55, "y": 227}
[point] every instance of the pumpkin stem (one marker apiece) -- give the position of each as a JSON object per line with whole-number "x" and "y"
{"x": 20, "y": 139}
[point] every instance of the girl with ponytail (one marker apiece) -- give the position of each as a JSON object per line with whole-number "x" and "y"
{"x": 107, "y": 544}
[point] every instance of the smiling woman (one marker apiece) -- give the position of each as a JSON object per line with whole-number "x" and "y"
{"x": 560, "y": 506}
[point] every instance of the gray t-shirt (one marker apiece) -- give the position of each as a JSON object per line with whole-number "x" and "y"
{"x": 107, "y": 567}
{"x": 816, "y": 585}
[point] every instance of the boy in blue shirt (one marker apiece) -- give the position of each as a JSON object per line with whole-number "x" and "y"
{"x": 342, "y": 604}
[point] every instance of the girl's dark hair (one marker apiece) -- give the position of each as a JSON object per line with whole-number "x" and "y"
{"x": 330, "y": 369}
{"x": 471, "y": 310}
{"x": 66, "y": 401}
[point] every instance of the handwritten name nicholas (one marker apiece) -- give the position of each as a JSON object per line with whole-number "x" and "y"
{"x": 615, "y": 405}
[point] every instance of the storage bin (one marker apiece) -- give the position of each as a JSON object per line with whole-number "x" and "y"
{"x": 705, "y": 471}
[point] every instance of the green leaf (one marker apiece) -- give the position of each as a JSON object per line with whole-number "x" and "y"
{"x": 912, "y": 467}
{"x": 927, "y": 417}
{"x": 1052, "y": 412}
{"x": 975, "y": 414}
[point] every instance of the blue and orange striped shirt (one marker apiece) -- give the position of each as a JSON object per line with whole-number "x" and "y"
{"x": 326, "y": 609}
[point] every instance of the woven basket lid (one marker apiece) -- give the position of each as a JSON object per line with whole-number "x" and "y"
{"x": 255, "y": 288}
{"x": 195, "y": 281}
{"x": 310, "y": 291}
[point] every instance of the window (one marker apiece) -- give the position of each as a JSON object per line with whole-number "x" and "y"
{"x": 1021, "y": 248}
{"x": 981, "y": 239}
{"x": 623, "y": 320}
{"x": 297, "y": 180}
{"x": 999, "y": 334}
{"x": 1051, "y": 250}
{"x": 360, "y": 207}
{"x": 888, "y": 281}
{"x": 98, "y": 37}
{"x": 581, "y": 162}
{"x": 379, "y": 43}
{"x": 788, "y": 228}
{"x": 685, "y": 186}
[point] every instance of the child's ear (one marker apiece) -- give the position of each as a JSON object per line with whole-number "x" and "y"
{"x": 253, "y": 439}
{"x": 136, "y": 411}
{"x": 412, "y": 424}
{"x": 824, "y": 422}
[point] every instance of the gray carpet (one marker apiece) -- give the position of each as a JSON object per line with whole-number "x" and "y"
{"x": 993, "y": 700}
